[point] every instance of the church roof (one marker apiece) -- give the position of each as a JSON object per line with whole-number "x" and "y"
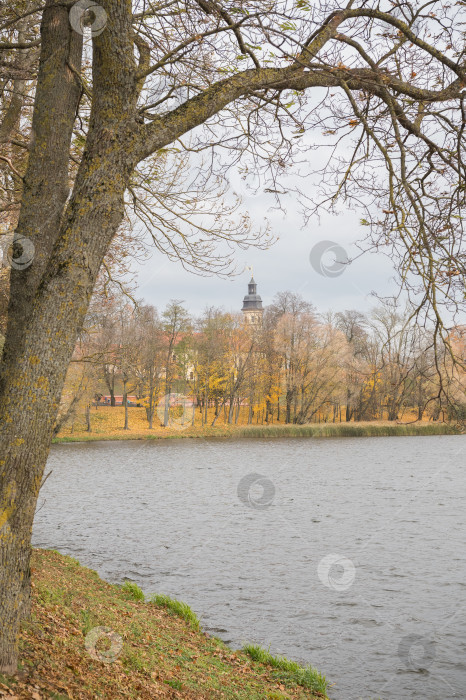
{"x": 252, "y": 300}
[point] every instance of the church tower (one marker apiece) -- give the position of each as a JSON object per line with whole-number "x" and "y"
{"x": 252, "y": 305}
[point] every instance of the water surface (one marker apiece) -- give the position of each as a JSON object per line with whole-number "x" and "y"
{"x": 344, "y": 553}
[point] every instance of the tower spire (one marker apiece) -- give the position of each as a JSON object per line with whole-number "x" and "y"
{"x": 252, "y": 304}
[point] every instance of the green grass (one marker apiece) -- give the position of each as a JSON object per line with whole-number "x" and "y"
{"x": 6, "y": 681}
{"x": 132, "y": 591}
{"x": 163, "y": 651}
{"x": 134, "y": 661}
{"x": 177, "y": 608}
{"x": 51, "y": 596}
{"x": 88, "y": 621}
{"x": 307, "y": 676}
{"x": 73, "y": 561}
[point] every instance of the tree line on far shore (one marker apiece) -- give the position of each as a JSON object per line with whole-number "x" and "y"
{"x": 298, "y": 366}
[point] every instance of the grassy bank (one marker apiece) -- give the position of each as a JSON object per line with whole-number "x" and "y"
{"x": 108, "y": 425}
{"x": 150, "y": 649}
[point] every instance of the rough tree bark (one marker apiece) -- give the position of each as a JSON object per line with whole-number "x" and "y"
{"x": 25, "y": 381}
{"x": 49, "y": 299}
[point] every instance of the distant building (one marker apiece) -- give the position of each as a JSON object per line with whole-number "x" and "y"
{"x": 107, "y": 400}
{"x": 252, "y": 305}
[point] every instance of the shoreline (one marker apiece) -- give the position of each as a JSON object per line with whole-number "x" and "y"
{"x": 88, "y": 638}
{"x": 313, "y": 430}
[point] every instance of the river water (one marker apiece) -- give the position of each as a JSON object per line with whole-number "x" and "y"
{"x": 345, "y": 553}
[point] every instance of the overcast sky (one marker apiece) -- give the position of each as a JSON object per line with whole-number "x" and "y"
{"x": 285, "y": 266}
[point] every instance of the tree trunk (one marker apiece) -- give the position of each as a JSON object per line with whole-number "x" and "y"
{"x": 231, "y": 409}
{"x": 206, "y": 401}
{"x": 268, "y": 410}
{"x": 150, "y": 407}
{"x": 125, "y": 404}
{"x": 166, "y": 409}
{"x": 393, "y": 410}
{"x": 49, "y": 299}
{"x": 88, "y": 417}
{"x": 289, "y": 397}
{"x": 349, "y": 412}
{"x": 25, "y": 434}
{"x": 35, "y": 380}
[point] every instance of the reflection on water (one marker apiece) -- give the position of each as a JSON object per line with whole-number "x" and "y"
{"x": 344, "y": 553}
